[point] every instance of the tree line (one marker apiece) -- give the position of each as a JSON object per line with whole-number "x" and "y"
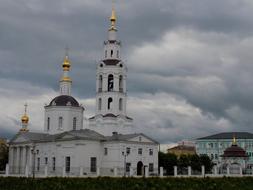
{"x": 168, "y": 161}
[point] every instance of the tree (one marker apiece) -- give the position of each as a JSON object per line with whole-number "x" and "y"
{"x": 207, "y": 162}
{"x": 3, "y": 156}
{"x": 167, "y": 161}
{"x": 195, "y": 162}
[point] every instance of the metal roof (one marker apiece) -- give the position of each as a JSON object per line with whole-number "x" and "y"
{"x": 229, "y": 135}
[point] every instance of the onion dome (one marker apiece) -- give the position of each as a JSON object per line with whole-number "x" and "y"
{"x": 25, "y": 118}
{"x": 234, "y": 151}
{"x": 66, "y": 64}
{"x": 64, "y": 100}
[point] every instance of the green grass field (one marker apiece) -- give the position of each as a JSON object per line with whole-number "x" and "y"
{"x": 127, "y": 183}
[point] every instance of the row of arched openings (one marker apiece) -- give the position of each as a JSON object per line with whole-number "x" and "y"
{"x": 109, "y": 104}
{"x": 111, "y": 53}
{"x": 110, "y": 85}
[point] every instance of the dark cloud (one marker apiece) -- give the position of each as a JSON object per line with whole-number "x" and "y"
{"x": 183, "y": 56}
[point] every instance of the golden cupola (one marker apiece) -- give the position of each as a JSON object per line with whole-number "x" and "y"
{"x": 113, "y": 20}
{"x": 66, "y": 63}
{"x": 65, "y": 81}
{"x": 25, "y": 120}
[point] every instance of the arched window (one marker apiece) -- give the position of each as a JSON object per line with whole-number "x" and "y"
{"x": 99, "y": 104}
{"x": 120, "y": 104}
{"x": 109, "y": 103}
{"x": 110, "y": 83}
{"x": 111, "y": 53}
{"x": 74, "y": 123}
{"x": 105, "y": 53}
{"x": 48, "y": 123}
{"x": 100, "y": 83}
{"x": 120, "y": 83}
{"x": 60, "y": 122}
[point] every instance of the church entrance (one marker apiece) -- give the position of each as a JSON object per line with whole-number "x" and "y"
{"x": 139, "y": 168}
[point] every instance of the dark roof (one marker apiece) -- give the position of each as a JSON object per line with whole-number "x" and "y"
{"x": 229, "y": 135}
{"x": 75, "y": 134}
{"x": 234, "y": 151}
{"x": 83, "y": 134}
{"x": 111, "y": 61}
{"x": 64, "y": 100}
{"x": 111, "y": 115}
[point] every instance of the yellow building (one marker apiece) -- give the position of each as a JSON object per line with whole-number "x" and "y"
{"x": 182, "y": 149}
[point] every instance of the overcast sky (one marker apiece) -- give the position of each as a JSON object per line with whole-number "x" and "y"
{"x": 190, "y": 62}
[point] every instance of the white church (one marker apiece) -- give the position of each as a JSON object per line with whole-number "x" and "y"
{"x": 109, "y": 145}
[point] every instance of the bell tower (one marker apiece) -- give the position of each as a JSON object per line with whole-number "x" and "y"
{"x": 111, "y": 76}
{"x": 111, "y": 93}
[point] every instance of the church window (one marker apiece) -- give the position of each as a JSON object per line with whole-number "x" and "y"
{"x": 151, "y": 167}
{"x": 120, "y": 83}
{"x": 93, "y": 164}
{"x": 60, "y": 122}
{"x": 99, "y": 104}
{"x": 105, "y": 151}
{"x": 100, "y": 83}
{"x": 110, "y": 82}
{"x": 46, "y": 160}
{"x": 150, "y": 152}
{"x": 140, "y": 151}
{"x": 120, "y": 104}
{"x": 53, "y": 163}
{"x": 105, "y": 53}
{"x": 111, "y": 53}
{"x": 128, "y": 150}
{"x": 109, "y": 103}
{"x": 48, "y": 123}
{"x": 67, "y": 164}
{"x": 128, "y": 165}
{"x": 74, "y": 123}
{"x": 38, "y": 164}
{"x": 118, "y": 54}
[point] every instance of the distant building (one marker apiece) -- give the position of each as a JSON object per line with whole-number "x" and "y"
{"x": 183, "y": 148}
{"x": 215, "y": 146}
{"x": 234, "y": 159}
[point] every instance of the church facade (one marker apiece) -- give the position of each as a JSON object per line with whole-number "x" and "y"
{"x": 107, "y": 147}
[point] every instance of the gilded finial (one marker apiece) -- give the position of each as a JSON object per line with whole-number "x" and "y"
{"x": 113, "y": 18}
{"x": 234, "y": 140}
{"x": 25, "y": 118}
{"x": 66, "y": 63}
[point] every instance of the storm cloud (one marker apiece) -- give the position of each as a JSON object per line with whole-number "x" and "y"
{"x": 189, "y": 61}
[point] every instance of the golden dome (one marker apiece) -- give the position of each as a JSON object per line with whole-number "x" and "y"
{"x": 113, "y": 20}
{"x": 25, "y": 119}
{"x": 66, "y": 64}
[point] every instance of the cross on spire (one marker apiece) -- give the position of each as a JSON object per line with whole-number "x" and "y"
{"x": 66, "y": 51}
{"x": 26, "y": 105}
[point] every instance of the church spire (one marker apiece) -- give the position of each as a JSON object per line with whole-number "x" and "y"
{"x": 112, "y": 35}
{"x": 113, "y": 18}
{"x": 24, "y": 121}
{"x": 65, "y": 82}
